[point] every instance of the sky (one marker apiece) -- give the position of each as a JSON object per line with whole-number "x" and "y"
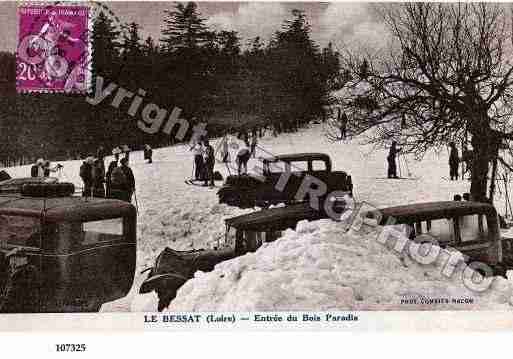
{"x": 343, "y": 23}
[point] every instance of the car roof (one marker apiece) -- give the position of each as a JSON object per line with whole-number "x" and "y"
{"x": 298, "y": 157}
{"x": 275, "y": 219}
{"x": 67, "y": 209}
{"x": 434, "y": 210}
{"x": 13, "y": 185}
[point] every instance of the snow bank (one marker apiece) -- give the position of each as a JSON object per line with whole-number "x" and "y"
{"x": 318, "y": 267}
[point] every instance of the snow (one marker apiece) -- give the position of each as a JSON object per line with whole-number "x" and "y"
{"x": 181, "y": 216}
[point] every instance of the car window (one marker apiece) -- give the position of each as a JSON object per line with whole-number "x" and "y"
{"x": 91, "y": 233}
{"x": 473, "y": 227}
{"x": 277, "y": 167}
{"x": 254, "y": 239}
{"x": 441, "y": 229}
{"x": 20, "y": 231}
{"x": 299, "y": 166}
{"x": 319, "y": 165}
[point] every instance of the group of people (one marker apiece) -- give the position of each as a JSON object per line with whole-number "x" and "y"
{"x": 204, "y": 161}
{"x": 117, "y": 182}
{"x": 454, "y": 161}
{"x": 42, "y": 168}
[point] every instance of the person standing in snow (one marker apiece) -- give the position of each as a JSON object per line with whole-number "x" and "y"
{"x": 100, "y": 154}
{"x": 254, "y": 141}
{"x": 342, "y": 121}
{"x": 108, "y": 176}
{"x": 209, "y": 160}
{"x": 226, "y": 152}
{"x": 197, "y": 150}
{"x": 126, "y": 150}
{"x": 47, "y": 169}
{"x": 37, "y": 169}
{"x": 123, "y": 182}
{"x": 454, "y": 162}
{"x": 98, "y": 178}
{"x": 148, "y": 153}
{"x": 86, "y": 173}
{"x": 466, "y": 158}
{"x": 243, "y": 155}
{"x": 392, "y": 168}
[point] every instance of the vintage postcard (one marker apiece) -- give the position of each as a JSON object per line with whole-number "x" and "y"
{"x": 256, "y": 165}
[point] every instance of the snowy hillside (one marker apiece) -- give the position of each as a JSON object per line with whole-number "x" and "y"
{"x": 174, "y": 214}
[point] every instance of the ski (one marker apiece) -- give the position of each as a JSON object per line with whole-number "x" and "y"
{"x": 398, "y": 178}
{"x": 191, "y": 183}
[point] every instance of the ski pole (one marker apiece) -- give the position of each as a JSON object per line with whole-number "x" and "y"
{"x": 506, "y": 197}
{"x": 399, "y": 164}
{"x": 136, "y": 204}
{"x": 407, "y": 166}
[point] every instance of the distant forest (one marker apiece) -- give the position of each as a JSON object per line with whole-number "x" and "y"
{"x": 282, "y": 84}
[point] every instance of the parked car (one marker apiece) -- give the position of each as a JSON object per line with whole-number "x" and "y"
{"x": 470, "y": 227}
{"x": 60, "y": 253}
{"x": 250, "y": 231}
{"x": 266, "y": 188}
{"x": 245, "y": 233}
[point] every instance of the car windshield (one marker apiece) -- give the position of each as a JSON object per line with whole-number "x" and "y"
{"x": 19, "y": 231}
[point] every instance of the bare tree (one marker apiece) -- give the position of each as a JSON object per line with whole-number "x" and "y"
{"x": 446, "y": 73}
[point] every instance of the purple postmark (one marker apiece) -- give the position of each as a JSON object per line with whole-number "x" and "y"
{"x": 53, "y": 49}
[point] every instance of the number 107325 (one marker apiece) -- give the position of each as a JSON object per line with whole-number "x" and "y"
{"x": 70, "y": 347}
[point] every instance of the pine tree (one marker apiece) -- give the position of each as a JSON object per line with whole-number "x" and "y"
{"x": 105, "y": 46}
{"x": 131, "y": 47}
{"x": 296, "y": 69}
{"x": 184, "y": 28}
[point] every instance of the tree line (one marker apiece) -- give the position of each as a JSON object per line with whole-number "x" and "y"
{"x": 280, "y": 84}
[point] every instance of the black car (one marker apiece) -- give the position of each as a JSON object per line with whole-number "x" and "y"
{"x": 61, "y": 253}
{"x": 281, "y": 179}
{"x": 470, "y": 227}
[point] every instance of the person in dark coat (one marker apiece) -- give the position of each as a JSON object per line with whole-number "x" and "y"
{"x": 342, "y": 120}
{"x": 86, "y": 173}
{"x": 392, "y": 168}
{"x": 197, "y": 150}
{"x": 254, "y": 141}
{"x": 209, "y": 160}
{"x": 47, "y": 169}
{"x": 466, "y": 158}
{"x": 100, "y": 155}
{"x": 148, "y": 153}
{"x": 37, "y": 169}
{"x": 98, "y": 178}
{"x": 123, "y": 182}
{"x": 454, "y": 162}
{"x": 226, "y": 152}
{"x": 126, "y": 150}
{"x": 108, "y": 175}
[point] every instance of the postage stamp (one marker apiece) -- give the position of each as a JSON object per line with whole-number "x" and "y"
{"x": 53, "y": 48}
